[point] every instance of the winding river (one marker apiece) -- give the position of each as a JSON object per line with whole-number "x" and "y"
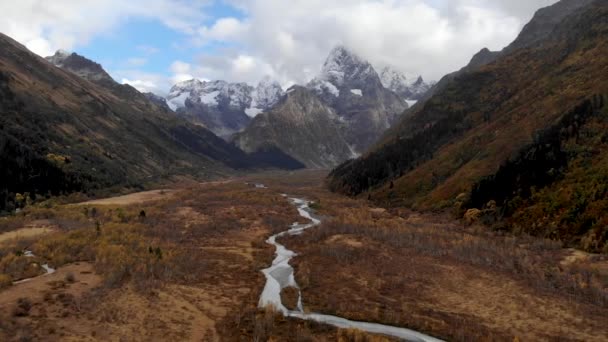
{"x": 281, "y": 275}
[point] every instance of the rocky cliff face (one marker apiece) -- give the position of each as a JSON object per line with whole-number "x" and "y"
{"x": 80, "y": 66}
{"x": 302, "y": 126}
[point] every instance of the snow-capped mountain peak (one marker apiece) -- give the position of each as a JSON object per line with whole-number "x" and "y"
{"x": 266, "y": 94}
{"x": 343, "y": 65}
{"x": 212, "y": 93}
{"x": 344, "y": 69}
{"x": 408, "y": 87}
{"x": 223, "y": 107}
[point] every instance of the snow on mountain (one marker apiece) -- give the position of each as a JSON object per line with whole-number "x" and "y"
{"x": 212, "y": 94}
{"x": 265, "y": 96}
{"x": 343, "y": 69}
{"x": 221, "y": 93}
{"x": 350, "y": 85}
{"x": 223, "y": 107}
{"x": 267, "y": 93}
{"x": 410, "y": 88}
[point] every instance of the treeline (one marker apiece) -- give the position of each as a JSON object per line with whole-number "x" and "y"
{"x": 557, "y": 187}
{"x": 26, "y": 175}
{"x": 26, "y": 172}
{"x": 538, "y": 164}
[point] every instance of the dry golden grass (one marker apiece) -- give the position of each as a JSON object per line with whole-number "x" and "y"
{"x": 188, "y": 268}
{"x": 170, "y": 268}
{"x": 135, "y": 198}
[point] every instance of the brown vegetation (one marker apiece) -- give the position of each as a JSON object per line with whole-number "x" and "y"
{"x": 432, "y": 274}
{"x": 189, "y": 269}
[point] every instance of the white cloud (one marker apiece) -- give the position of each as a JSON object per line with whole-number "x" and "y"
{"x": 45, "y": 26}
{"x": 141, "y": 85}
{"x": 428, "y": 37}
{"x": 287, "y": 40}
{"x": 223, "y": 29}
{"x": 182, "y": 71}
{"x": 143, "y": 81}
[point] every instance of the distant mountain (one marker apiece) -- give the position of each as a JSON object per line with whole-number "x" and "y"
{"x": 351, "y": 86}
{"x": 410, "y": 89}
{"x": 302, "y": 126}
{"x": 337, "y": 116}
{"x": 73, "y": 128}
{"x": 519, "y": 135}
{"x": 224, "y": 108}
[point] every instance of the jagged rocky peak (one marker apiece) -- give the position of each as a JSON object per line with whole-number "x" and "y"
{"x": 79, "y": 65}
{"x": 343, "y": 65}
{"x": 410, "y": 88}
{"x": 344, "y": 70}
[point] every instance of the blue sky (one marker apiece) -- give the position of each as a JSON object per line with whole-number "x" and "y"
{"x": 152, "y": 44}
{"x": 149, "y": 46}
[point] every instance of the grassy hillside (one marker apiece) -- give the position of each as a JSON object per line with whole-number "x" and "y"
{"x": 486, "y": 119}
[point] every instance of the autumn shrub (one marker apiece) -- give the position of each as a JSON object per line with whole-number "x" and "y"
{"x": 5, "y": 280}
{"x": 525, "y": 257}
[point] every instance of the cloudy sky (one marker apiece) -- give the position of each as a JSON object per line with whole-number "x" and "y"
{"x": 152, "y": 44}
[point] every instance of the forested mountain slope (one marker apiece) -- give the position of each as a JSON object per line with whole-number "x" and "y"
{"x": 60, "y": 132}
{"x": 540, "y": 105}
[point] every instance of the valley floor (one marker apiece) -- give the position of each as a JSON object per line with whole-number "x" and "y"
{"x": 185, "y": 264}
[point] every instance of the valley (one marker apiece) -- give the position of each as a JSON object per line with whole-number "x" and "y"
{"x": 226, "y": 177}
{"x": 190, "y": 268}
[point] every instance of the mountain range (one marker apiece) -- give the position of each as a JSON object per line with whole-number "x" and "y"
{"x": 516, "y": 137}
{"x": 348, "y": 95}
{"x": 335, "y": 117}
{"x": 67, "y": 126}
{"x": 224, "y": 108}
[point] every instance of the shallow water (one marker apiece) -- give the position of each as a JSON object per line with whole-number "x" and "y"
{"x": 280, "y": 275}
{"x": 46, "y": 267}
